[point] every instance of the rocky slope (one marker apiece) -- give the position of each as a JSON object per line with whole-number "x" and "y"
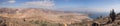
{"x": 104, "y": 20}
{"x": 38, "y": 17}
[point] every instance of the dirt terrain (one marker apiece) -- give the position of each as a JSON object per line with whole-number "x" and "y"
{"x": 36, "y": 17}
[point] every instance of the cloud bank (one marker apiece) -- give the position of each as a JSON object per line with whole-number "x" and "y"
{"x": 31, "y": 3}
{"x": 40, "y": 3}
{"x": 11, "y": 1}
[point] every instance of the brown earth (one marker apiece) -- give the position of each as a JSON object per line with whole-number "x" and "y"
{"x": 36, "y": 17}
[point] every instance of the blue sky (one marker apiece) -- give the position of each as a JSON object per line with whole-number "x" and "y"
{"x": 73, "y": 5}
{"x": 58, "y": 3}
{"x": 69, "y": 3}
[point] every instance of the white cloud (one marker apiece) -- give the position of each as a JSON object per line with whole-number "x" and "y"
{"x": 11, "y": 1}
{"x": 41, "y": 3}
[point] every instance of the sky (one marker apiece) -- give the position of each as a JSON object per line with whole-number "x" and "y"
{"x": 71, "y": 5}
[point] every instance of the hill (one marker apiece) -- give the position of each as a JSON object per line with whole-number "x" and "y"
{"x": 39, "y": 17}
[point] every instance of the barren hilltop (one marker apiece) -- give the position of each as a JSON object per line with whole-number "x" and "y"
{"x": 39, "y": 17}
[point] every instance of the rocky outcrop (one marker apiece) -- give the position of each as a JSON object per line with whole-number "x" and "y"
{"x": 106, "y": 21}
